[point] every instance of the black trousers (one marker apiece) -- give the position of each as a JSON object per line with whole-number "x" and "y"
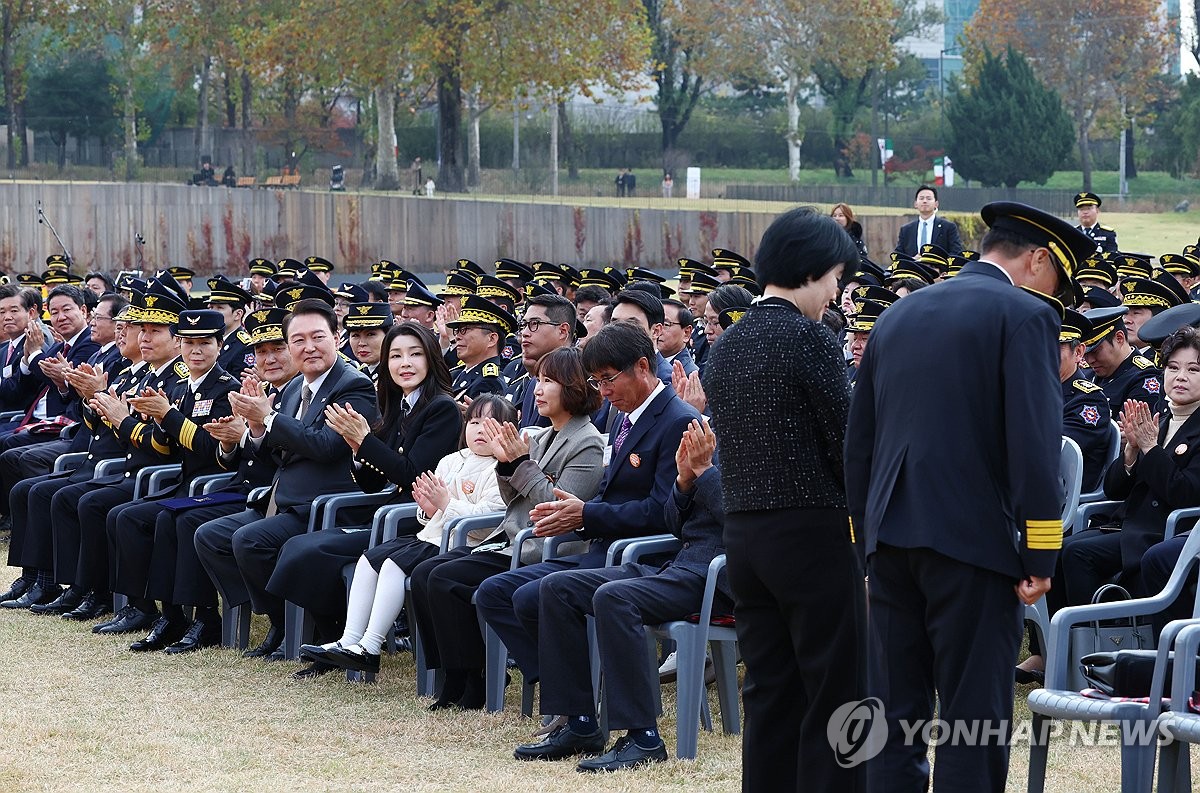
{"x": 24, "y": 550}
{"x": 940, "y": 625}
{"x": 623, "y": 600}
{"x": 176, "y": 574}
{"x": 132, "y": 538}
{"x": 79, "y": 515}
{"x": 442, "y": 588}
{"x": 310, "y": 566}
{"x": 239, "y": 552}
{"x": 25, "y": 462}
{"x": 799, "y": 600}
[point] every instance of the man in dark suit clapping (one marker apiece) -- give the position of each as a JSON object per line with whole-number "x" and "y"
{"x": 240, "y": 551}
{"x": 928, "y": 228}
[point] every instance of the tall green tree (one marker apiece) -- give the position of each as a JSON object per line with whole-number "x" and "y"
{"x": 72, "y": 96}
{"x": 1008, "y": 127}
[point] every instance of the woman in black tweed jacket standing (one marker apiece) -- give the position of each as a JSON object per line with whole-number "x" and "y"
{"x": 777, "y": 387}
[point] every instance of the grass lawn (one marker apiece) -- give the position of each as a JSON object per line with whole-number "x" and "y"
{"x": 93, "y": 716}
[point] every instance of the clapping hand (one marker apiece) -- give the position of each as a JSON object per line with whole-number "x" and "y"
{"x": 430, "y": 493}
{"x": 347, "y": 422}
{"x": 86, "y": 380}
{"x": 507, "y": 443}
{"x": 227, "y": 430}
{"x": 552, "y": 518}
{"x": 1139, "y": 429}
{"x": 250, "y": 402}
{"x": 152, "y": 403}
{"x": 35, "y": 340}
{"x": 113, "y": 408}
{"x": 695, "y": 454}
{"x": 55, "y": 368}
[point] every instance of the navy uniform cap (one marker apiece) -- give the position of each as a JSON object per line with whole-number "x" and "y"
{"x": 181, "y": 273}
{"x": 571, "y": 273}
{"x": 288, "y": 268}
{"x": 866, "y": 314}
{"x": 1180, "y": 264}
{"x": 368, "y": 316}
{"x": 971, "y": 256}
{"x": 1154, "y": 330}
{"x": 642, "y": 274}
{"x": 609, "y": 278}
{"x": 1097, "y": 269}
{"x": 954, "y": 265}
{"x": 265, "y": 325}
{"x": 29, "y": 279}
{"x": 491, "y": 286}
{"x": 731, "y": 315}
{"x": 689, "y": 267}
{"x": 54, "y": 277}
{"x": 703, "y": 284}
{"x": 1133, "y": 265}
{"x": 1099, "y": 298}
{"x": 744, "y": 277}
{"x": 934, "y": 255}
{"x": 199, "y": 324}
{"x": 1069, "y": 247}
{"x": 535, "y": 288}
{"x": 1075, "y": 327}
{"x": 1087, "y": 199}
{"x": 1053, "y": 302}
{"x": 918, "y": 271}
{"x": 160, "y": 305}
{"x": 723, "y": 259}
{"x": 1105, "y": 322}
{"x": 469, "y": 266}
{"x": 319, "y": 265}
{"x": 480, "y": 311}
{"x": 418, "y": 295}
{"x": 459, "y": 282}
{"x": 222, "y": 290}
{"x": 1155, "y": 294}
{"x": 263, "y": 267}
{"x": 288, "y": 296}
{"x": 352, "y": 293}
{"x": 401, "y": 279}
{"x": 513, "y": 270}
{"x": 57, "y": 262}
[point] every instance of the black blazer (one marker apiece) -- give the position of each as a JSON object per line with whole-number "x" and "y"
{"x": 968, "y": 465}
{"x": 1161, "y": 480}
{"x": 945, "y": 234}
{"x": 401, "y": 452}
{"x": 313, "y": 459}
{"x": 31, "y": 385}
{"x": 698, "y": 518}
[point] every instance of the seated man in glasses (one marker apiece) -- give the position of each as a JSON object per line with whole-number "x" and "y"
{"x": 549, "y": 323}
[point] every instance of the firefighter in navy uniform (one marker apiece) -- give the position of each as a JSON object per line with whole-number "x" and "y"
{"x": 1098, "y": 272}
{"x": 232, "y": 302}
{"x": 367, "y": 324}
{"x": 177, "y": 424}
{"x": 498, "y": 293}
{"x": 1146, "y": 298}
{"x": 345, "y": 296}
{"x": 1087, "y": 205}
{"x": 1120, "y": 371}
{"x": 478, "y": 333}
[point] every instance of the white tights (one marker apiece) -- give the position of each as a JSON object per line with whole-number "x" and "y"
{"x": 374, "y": 603}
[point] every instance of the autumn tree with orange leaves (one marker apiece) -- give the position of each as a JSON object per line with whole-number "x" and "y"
{"x": 1101, "y": 57}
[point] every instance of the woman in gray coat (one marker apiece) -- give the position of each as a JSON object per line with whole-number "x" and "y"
{"x": 568, "y": 455}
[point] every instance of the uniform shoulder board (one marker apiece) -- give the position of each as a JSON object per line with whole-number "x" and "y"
{"x": 243, "y": 336}
{"x": 181, "y": 369}
{"x": 1142, "y": 363}
{"x": 348, "y": 359}
{"x": 1106, "y": 228}
{"x": 1085, "y": 386}
{"x": 225, "y": 378}
{"x": 455, "y": 371}
{"x": 123, "y": 371}
{"x": 491, "y": 370}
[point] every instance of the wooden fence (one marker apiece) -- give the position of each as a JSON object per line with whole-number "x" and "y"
{"x": 219, "y": 229}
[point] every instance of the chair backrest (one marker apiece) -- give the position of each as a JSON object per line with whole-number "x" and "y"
{"x": 1188, "y": 557}
{"x": 1114, "y": 442}
{"x": 1070, "y": 470}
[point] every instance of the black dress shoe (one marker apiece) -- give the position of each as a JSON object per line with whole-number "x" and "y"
{"x": 92, "y": 607}
{"x": 560, "y": 744}
{"x": 18, "y": 588}
{"x": 34, "y": 595}
{"x": 1027, "y": 676}
{"x": 199, "y": 635}
{"x": 624, "y": 754}
{"x": 162, "y": 634}
{"x": 65, "y": 602}
{"x": 121, "y": 614}
{"x": 316, "y": 652}
{"x": 270, "y": 643}
{"x": 345, "y": 658}
{"x": 313, "y": 670}
{"x": 134, "y": 620}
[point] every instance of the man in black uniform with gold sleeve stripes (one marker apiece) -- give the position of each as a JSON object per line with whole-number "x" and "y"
{"x": 951, "y": 560}
{"x": 479, "y": 332}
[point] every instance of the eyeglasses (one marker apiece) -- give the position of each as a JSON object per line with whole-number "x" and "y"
{"x": 712, "y": 323}
{"x": 603, "y": 381}
{"x": 463, "y": 330}
{"x": 668, "y": 324}
{"x": 102, "y": 316}
{"x": 533, "y": 324}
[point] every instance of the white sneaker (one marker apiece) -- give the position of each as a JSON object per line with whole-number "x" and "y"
{"x": 669, "y": 671}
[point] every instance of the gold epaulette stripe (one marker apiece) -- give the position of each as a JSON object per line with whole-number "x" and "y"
{"x": 187, "y": 434}
{"x": 158, "y": 447}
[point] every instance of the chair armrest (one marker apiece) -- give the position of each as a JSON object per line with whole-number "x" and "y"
{"x": 108, "y": 467}
{"x": 331, "y": 503}
{"x": 454, "y": 535}
{"x": 552, "y": 544}
{"x": 69, "y": 462}
{"x": 258, "y": 493}
{"x": 9, "y": 415}
{"x": 154, "y": 475}
{"x": 1183, "y": 678}
{"x": 710, "y": 589}
{"x": 634, "y": 549}
{"x": 519, "y": 543}
{"x": 1176, "y": 516}
{"x": 202, "y": 485}
{"x": 1067, "y": 618}
{"x": 1085, "y": 511}
{"x": 386, "y": 523}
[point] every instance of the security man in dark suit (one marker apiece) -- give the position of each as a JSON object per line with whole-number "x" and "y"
{"x": 623, "y": 601}
{"x": 240, "y": 551}
{"x": 1120, "y": 371}
{"x": 994, "y": 528}
{"x": 928, "y": 227}
{"x": 479, "y": 331}
{"x": 1087, "y": 206}
{"x": 178, "y": 424}
{"x": 232, "y": 302}
{"x": 637, "y": 482}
